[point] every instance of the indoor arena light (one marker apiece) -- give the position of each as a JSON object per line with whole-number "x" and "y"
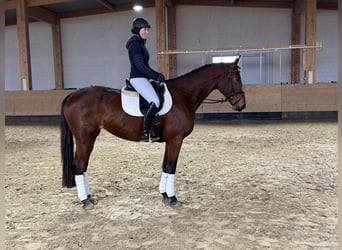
{"x": 137, "y": 7}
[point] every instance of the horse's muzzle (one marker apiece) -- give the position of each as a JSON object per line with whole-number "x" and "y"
{"x": 240, "y": 108}
{"x": 238, "y": 102}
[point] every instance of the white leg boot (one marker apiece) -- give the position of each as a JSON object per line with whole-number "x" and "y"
{"x": 81, "y": 190}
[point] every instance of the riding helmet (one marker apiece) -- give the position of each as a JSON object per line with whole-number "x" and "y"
{"x": 139, "y": 23}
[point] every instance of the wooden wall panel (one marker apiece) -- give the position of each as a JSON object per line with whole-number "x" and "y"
{"x": 266, "y": 98}
{"x": 316, "y": 97}
{"x": 31, "y": 103}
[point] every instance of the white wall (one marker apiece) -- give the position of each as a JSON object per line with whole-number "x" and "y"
{"x": 327, "y": 32}
{"x": 94, "y": 48}
{"x": 41, "y": 57}
{"x": 232, "y": 27}
{"x": 12, "y": 69}
{"x": 94, "y": 52}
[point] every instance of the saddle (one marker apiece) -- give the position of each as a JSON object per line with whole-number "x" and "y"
{"x": 134, "y": 104}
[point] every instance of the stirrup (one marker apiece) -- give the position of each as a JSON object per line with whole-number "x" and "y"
{"x": 149, "y": 138}
{"x": 153, "y": 139}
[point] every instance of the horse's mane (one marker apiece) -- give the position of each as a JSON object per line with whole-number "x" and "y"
{"x": 196, "y": 70}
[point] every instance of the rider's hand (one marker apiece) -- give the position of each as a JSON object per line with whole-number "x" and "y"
{"x": 160, "y": 78}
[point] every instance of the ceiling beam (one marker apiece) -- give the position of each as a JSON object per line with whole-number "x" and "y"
{"x": 86, "y": 12}
{"x": 327, "y": 6}
{"x": 11, "y": 5}
{"x": 107, "y": 4}
{"x": 41, "y": 14}
{"x": 238, "y": 3}
{"x": 170, "y": 3}
{"x": 108, "y": 7}
{"x": 103, "y": 10}
{"x": 298, "y": 6}
{"x": 257, "y": 3}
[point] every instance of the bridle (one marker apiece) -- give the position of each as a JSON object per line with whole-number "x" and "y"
{"x": 233, "y": 92}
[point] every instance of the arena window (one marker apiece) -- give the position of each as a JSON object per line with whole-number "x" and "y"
{"x": 224, "y": 59}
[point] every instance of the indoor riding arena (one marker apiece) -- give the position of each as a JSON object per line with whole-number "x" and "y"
{"x": 264, "y": 177}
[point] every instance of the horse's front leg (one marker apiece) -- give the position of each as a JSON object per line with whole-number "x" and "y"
{"x": 83, "y": 192}
{"x": 167, "y": 181}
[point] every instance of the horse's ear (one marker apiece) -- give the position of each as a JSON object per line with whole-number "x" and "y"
{"x": 237, "y": 60}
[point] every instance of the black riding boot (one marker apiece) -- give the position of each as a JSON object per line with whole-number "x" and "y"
{"x": 148, "y": 118}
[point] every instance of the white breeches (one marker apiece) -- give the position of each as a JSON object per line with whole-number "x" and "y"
{"x": 145, "y": 89}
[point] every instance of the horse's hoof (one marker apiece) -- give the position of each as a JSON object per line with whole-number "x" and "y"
{"x": 92, "y": 199}
{"x": 174, "y": 202}
{"x": 165, "y": 198}
{"x": 171, "y": 201}
{"x": 87, "y": 205}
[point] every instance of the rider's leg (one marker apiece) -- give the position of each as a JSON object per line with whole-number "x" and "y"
{"x": 145, "y": 89}
{"x": 148, "y": 118}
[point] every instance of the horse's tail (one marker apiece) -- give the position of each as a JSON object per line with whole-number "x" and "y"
{"x": 67, "y": 150}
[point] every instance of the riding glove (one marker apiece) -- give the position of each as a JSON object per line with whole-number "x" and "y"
{"x": 160, "y": 78}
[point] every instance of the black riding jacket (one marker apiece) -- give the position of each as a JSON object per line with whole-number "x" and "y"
{"x": 139, "y": 57}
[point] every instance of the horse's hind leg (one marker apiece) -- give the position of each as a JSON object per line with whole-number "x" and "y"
{"x": 84, "y": 148}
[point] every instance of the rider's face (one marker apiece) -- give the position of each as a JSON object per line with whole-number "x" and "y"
{"x": 143, "y": 33}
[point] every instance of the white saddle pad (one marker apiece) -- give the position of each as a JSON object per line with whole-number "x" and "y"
{"x": 130, "y": 102}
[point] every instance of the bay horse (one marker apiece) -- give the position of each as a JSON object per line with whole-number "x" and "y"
{"x": 87, "y": 110}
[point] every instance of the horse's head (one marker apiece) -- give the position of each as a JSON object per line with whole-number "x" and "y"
{"x": 231, "y": 86}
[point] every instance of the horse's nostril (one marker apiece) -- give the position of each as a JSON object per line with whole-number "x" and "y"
{"x": 240, "y": 108}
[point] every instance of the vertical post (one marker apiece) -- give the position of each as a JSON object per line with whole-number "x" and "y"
{"x": 295, "y": 39}
{"x": 166, "y": 36}
{"x": 171, "y": 24}
{"x": 24, "y": 45}
{"x": 161, "y": 35}
{"x": 280, "y": 68}
{"x": 260, "y": 67}
{"x": 57, "y": 52}
{"x": 309, "y": 55}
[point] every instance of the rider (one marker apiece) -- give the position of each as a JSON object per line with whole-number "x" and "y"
{"x": 141, "y": 72}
